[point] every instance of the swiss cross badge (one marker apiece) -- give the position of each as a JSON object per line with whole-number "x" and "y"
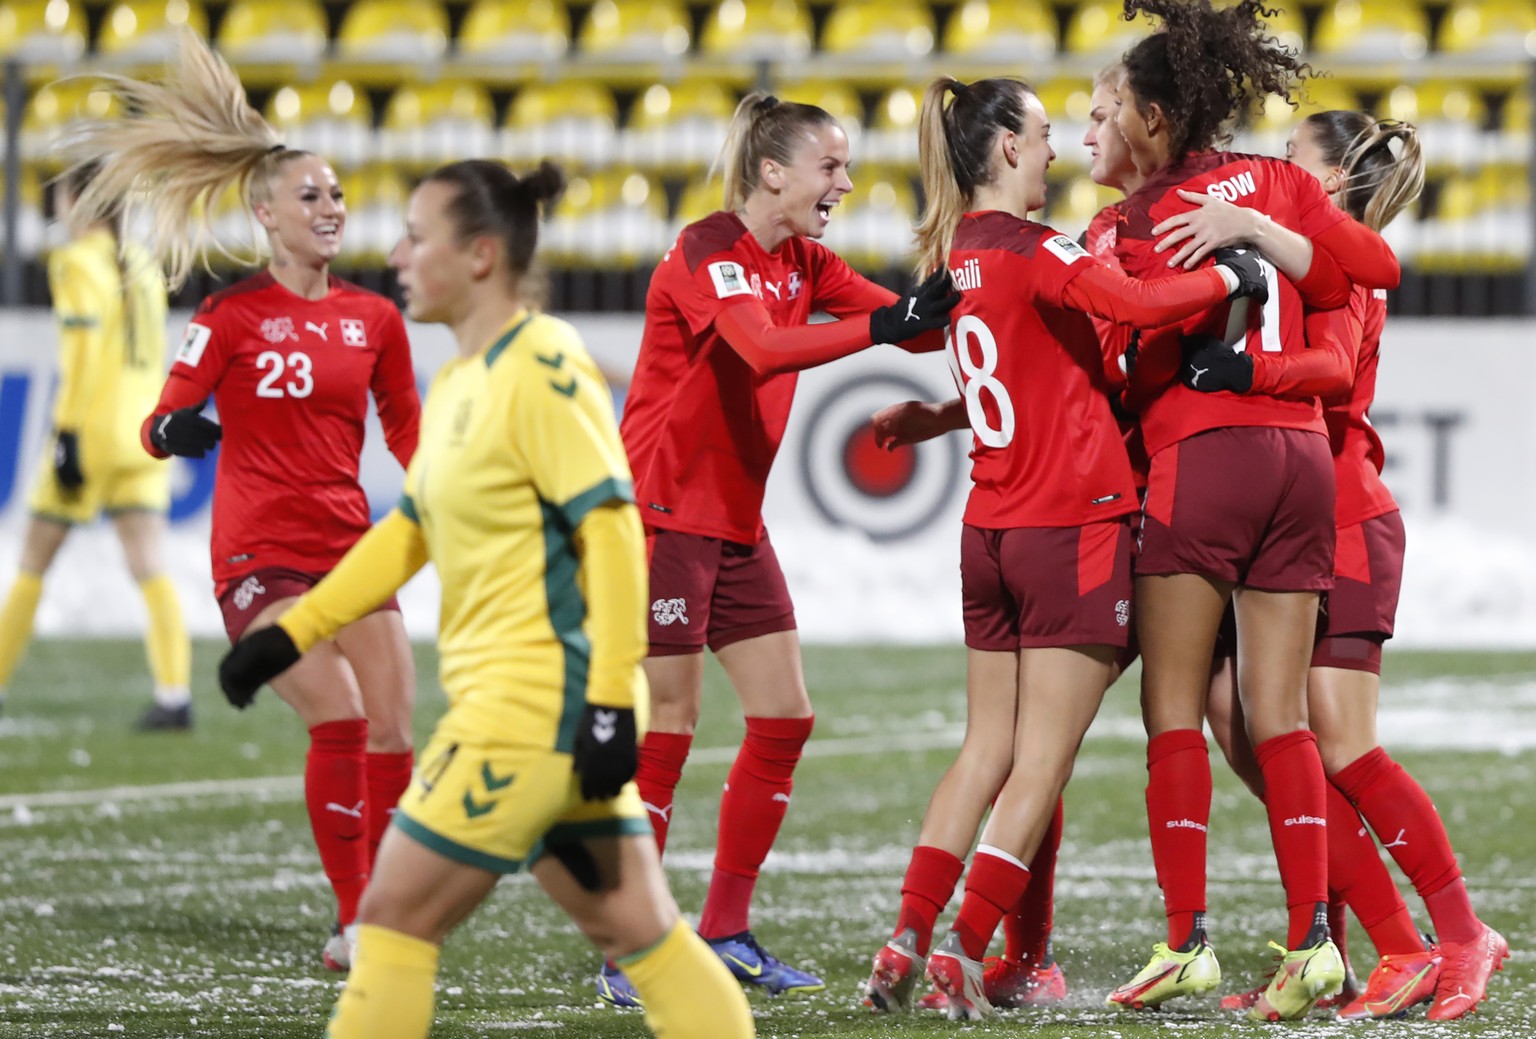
{"x": 353, "y": 333}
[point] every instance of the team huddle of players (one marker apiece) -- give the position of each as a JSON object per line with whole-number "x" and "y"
{"x": 1170, "y": 457}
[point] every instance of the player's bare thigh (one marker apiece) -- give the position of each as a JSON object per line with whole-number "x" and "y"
{"x": 767, "y": 675}
{"x": 1341, "y": 707}
{"x": 41, "y": 544}
{"x": 142, "y": 535}
{"x": 677, "y": 691}
{"x": 321, "y": 686}
{"x": 1275, "y": 636}
{"x": 1177, "y": 616}
{"x": 985, "y": 758}
{"x": 417, "y": 891}
{"x": 632, "y": 908}
{"x": 379, "y": 653}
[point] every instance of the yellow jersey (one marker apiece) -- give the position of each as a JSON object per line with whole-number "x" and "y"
{"x": 111, "y": 311}
{"x": 518, "y": 444}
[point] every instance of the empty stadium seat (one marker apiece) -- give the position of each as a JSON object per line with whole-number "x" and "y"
{"x": 574, "y": 123}
{"x": 1067, "y": 103}
{"x": 432, "y": 123}
{"x": 1098, "y": 30}
{"x": 875, "y": 41}
{"x": 1276, "y": 119}
{"x": 270, "y": 41}
{"x": 385, "y": 41}
{"x": 635, "y": 30}
{"x": 502, "y": 40}
{"x": 891, "y": 139}
{"x": 678, "y": 127}
{"x": 331, "y": 118}
{"x": 1514, "y": 137}
{"x": 838, "y": 98}
{"x": 138, "y": 32}
{"x": 1481, "y": 223}
{"x": 1496, "y": 30}
{"x": 50, "y": 111}
{"x": 1450, "y": 118}
{"x": 1071, "y": 205}
{"x": 750, "y": 31}
{"x": 701, "y": 197}
{"x": 376, "y": 198}
{"x": 1003, "y": 33}
{"x": 47, "y": 35}
{"x": 616, "y": 218}
{"x": 872, "y": 226}
{"x": 1372, "y": 30}
{"x": 1287, "y": 24}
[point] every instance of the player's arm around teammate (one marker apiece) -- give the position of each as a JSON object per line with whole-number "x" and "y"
{"x": 541, "y": 635}
{"x": 289, "y": 356}
{"x": 110, "y": 303}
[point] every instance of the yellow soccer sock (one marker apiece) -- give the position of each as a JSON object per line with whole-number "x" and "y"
{"x": 389, "y": 990}
{"x": 688, "y": 993}
{"x": 165, "y": 641}
{"x": 16, "y": 622}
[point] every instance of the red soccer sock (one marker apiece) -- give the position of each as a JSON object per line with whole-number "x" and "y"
{"x": 388, "y": 776}
{"x": 1297, "y": 802}
{"x": 925, "y": 891}
{"x": 1178, "y": 818}
{"x": 993, "y": 886}
{"x": 1338, "y": 921}
{"x": 751, "y": 812}
{"x": 1356, "y": 874}
{"x": 1027, "y": 927}
{"x": 335, "y": 791}
{"x": 662, "y": 755}
{"x": 1405, "y": 821}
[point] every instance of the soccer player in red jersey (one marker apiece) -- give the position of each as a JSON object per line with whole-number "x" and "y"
{"x": 1372, "y": 169}
{"x": 725, "y": 332}
{"x": 1264, "y": 543}
{"x": 290, "y": 357}
{"x": 1045, "y": 550}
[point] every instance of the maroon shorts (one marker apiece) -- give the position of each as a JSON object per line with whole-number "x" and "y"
{"x": 1367, "y": 576}
{"x": 245, "y": 597}
{"x": 708, "y": 591}
{"x": 1029, "y": 587}
{"x": 1248, "y": 504}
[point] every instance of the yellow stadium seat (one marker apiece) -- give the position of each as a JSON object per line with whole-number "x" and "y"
{"x": 1498, "y": 30}
{"x": 376, "y": 198}
{"x": 572, "y": 122}
{"x": 1098, "y": 29}
{"x": 891, "y": 139}
{"x": 50, "y": 112}
{"x": 839, "y": 99}
{"x": 875, "y": 41}
{"x": 384, "y": 41}
{"x": 872, "y": 226}
{"x": 1067, "y": 103}
{"x": 633, "y": 43}
{"x": 757, "y": 30}
{"x": 331, "y": 118}
{"x": 1072, "y": 204}
{"x": 1513, "y": 142}
{"x": 678, "y": 127}
{"x": 700, "y": 198}
{"x": 1372, "y": 30}
{"x": 145, "y": 31}
{"x": 1004, "y": 33}
{"x": 1481, "y": 223}
{"x": 47, "y": 35}
{"x": 432, "y": 123}
{"x": 1287, "y": 24}
{"x": 504, "y": 41}
{"x": 1276, "y": 119}
{"x": 1450, "y": 118}
{"x": 269, "y": 41}
{"x": 611, "y": 219}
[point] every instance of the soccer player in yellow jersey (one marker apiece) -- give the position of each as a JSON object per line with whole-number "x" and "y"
{"x": 110, "y": 301}
{"x": 520, "y": 494}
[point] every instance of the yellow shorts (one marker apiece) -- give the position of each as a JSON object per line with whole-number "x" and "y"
{"x": 496, "y": 805}
{"x": 143, "y": 486}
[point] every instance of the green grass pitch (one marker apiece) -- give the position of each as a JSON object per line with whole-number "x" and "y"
{"x": 166, "y": 885}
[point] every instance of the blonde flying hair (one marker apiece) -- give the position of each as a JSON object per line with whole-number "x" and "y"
{"x": 1382, "y": 161}
{"x": 179, "y": 146}
{"x": 762, "y": 128}
{"x": 954, "y": 153}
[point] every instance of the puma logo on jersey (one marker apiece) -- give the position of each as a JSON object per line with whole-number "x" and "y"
{"x": 669, "y": 611}
{"x": 319, "y": 329}
{"x": 775, "y": 287}
{"x": 247, "y": 592}
{"x": 1233, "y": 188}
{"x": 967, "y": 276}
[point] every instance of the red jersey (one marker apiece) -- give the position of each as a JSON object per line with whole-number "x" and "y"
{"x": 1358, "y": 456}
{"x": 1293, "y": 198}
{"x": 701, "y": 425}
{"x": 1047, "y": 451}
{"x": 291, "y": 377}
{"x": 1099, "y": 239}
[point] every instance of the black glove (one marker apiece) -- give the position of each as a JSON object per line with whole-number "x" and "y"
{"x": 1250, "y": 276}
{"x": 253, "y": 662}
{"x": 187, "y": 433}
{"x": 1211, "y": 365}
{"x": 922, "y": 310}
{"x": 66, "y": 460}
{"x": 606, "y": 752}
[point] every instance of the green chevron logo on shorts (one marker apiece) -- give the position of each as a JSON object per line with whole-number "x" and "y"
{"x": 473, "y": 808}
{"x": 492, "y": 783}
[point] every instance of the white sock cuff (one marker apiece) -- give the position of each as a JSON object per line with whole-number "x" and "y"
{"x": 998, "y": 853}
{"x": 172, "y": 697}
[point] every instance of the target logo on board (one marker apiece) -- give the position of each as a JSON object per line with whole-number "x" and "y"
{"x": 852, "y": 482}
